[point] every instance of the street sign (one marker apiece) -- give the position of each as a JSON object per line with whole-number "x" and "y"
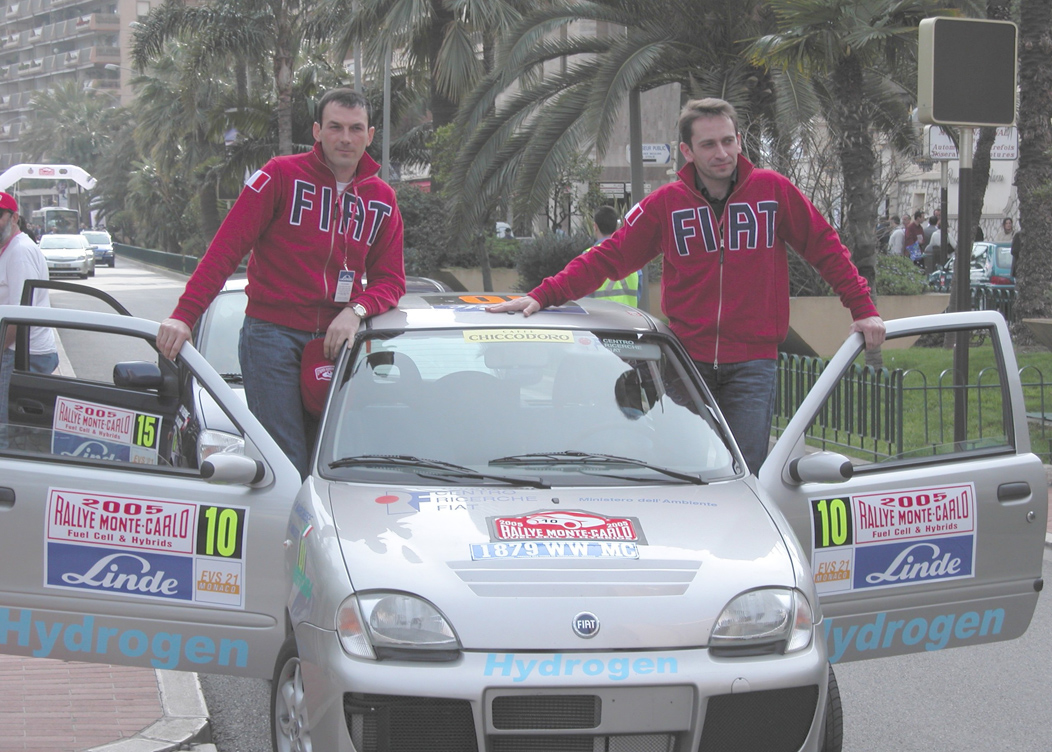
{"x": 612, "y": 189}
{"x": 966, "y": 71}
{"x": 939, "y": 146}
{"x": 652, "y": 153}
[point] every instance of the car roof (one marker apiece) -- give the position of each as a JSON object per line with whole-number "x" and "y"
{"x": 457, "y": 310}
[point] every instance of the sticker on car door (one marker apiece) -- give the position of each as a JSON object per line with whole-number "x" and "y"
{"x": 146, "y": 547}
{"x": 94, "y": 431}
{"x": 893, "y": 539}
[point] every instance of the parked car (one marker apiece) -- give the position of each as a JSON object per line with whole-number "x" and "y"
{"x": 101, "y": 245}
{"x": 991, "y": 265}
{"x": 68, "y": 254}
{"x": 517, "y": 534}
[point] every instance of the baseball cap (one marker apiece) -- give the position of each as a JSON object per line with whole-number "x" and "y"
{"x": 315, "y": 376}
{"x": 7, "y": 201}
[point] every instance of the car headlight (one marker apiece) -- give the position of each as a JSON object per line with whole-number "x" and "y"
{"x": 209, "y": 442}
{"x": 771, "y": 620}
{"x": 395, "y": 626}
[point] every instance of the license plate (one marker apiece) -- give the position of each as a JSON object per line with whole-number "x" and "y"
{"x": 555, "y": 550}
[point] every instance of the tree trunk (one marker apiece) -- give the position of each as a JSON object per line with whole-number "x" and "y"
{"x": 208, "y": 196}
{"x": 980, "y": 177}
{"x": 1034, "y": 172}
{"x": 858, "y": 165}
{"x": 283, "y": 59}
{"x": 443, "y": 109}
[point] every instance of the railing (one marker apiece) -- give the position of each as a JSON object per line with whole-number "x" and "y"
{"x": 864, "y": 415}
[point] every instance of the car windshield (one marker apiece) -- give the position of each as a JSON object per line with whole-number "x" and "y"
{"x": 558, "y": 407}
{"x": 62, "y": 241}
{"x": 100, "y": 238}
{"x": 220, "y": 328}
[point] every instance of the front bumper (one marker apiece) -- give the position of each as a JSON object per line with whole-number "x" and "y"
{"x": 638, "y": 701}
{"x": 75, "y": 266}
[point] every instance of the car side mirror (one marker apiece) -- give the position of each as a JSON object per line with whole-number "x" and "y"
{"x": 821, "y": 467}
{"x": 138, "y": 374}
{"x": 236, "y": 469}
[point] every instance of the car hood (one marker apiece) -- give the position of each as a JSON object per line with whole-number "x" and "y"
{"x": 678, "y": 554}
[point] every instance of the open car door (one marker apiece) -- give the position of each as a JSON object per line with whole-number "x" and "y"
{"x": 109, "y": 553}
{"x": 934, "y": 539}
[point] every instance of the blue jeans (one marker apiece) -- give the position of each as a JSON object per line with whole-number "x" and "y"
{"x": 44, "y": 363}
{"x": 270, "y": 366}
{"x": 744, "y": 393}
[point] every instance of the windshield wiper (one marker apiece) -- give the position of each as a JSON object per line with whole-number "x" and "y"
{"x": 587, "y": 458}
{"x": 447, "y": 469}
{"x": 232, "y": 378}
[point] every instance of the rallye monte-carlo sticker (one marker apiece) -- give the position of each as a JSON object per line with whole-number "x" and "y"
{"x": 893, "y": 538}
{"x": 562, "y": 533}
{"x": 90, "y": 430}
{"x": 146, "y": 547}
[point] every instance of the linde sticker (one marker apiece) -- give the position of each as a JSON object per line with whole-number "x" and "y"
{"x": 893, "y": 538}
{"x": 94, "y": 431}
{"x": 145, "y": 547}
{"x": 565, "y": 525}
{"x": 518, "y": 335}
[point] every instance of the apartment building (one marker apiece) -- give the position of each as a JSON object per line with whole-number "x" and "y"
{"x": 45, "y": 43}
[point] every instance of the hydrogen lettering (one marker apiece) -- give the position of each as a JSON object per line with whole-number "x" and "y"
{"x": 164, "y": 649}
{"x": 616, "y": 669}
{"x": 935, "y": 634}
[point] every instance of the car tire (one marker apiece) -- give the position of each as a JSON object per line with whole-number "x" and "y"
{"x": 83, "y": 276}
{"x": 289, "y": 729}
{"x": 833, "y": 725}
{"x": 92, "y": 272}
{"x": 113, "y": 262}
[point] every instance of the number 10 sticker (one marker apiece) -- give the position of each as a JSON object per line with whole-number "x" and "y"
{"x": 219, "y": 571}
{"x": 833, "y": 555}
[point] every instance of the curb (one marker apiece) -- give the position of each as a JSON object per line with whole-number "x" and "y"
{"x": 184, "y": 721}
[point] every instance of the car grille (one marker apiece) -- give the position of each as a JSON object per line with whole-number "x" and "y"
{"x": 566, "y": 743}
{"x": 566, "y": 579}
{"x": 546, "y": 712}
{"x": 775, "y": 720}
{"x": 392, "y": 723}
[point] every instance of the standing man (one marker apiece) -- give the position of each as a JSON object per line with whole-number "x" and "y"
{"x": 723, "y": 229}
{"x": 317, "y": 224}
{"x": 914, "y": 238}
{"x": 21, "y": 259}
{"x": 896, "y": 240}
{"x": 617, "y": 291}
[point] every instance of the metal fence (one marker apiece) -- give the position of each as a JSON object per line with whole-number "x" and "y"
{"x": 864, "y": 415}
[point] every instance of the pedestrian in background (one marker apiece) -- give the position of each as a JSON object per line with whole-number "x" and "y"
{"x": 897, "y": 238}
{"x": 1007, "y": 233}
{"x": 723, "y": 229}
{"x": 914, "y": 238}
{"x": 21, "y": 260}
{"x": 617, "y": 291}
{"x": 317, "y": 223}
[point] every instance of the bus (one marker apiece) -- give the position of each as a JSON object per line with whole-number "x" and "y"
{"x": 52, "y": 219}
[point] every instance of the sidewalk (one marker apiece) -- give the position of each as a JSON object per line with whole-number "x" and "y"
{"x": 53, "y": 706}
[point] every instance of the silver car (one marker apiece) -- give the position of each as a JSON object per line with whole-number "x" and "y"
{"x": 518, "y": 534}
{"x": 68, "y": 254}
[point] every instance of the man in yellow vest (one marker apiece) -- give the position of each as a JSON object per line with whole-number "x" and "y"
{"x": 623, "y": 290}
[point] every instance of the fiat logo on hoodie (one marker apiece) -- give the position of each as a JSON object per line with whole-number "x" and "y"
{"x": 586, "y": 625}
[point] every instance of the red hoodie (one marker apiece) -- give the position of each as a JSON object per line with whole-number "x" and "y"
{"x": 302, "y": 237}
{"x": 725, "y": 280}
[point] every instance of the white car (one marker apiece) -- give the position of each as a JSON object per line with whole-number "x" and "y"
{"x": 517, "y": 534}
{"x": 68, "y": 254}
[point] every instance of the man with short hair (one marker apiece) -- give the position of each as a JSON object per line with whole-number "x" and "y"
{"x": 625, "y": 290}
{"x": 724, "y": 229}
{"x": 897, "y": 237}
{"x": 317, "y": 224}
{"x": 21, "y": 260}
{"x": 913, "y": 241}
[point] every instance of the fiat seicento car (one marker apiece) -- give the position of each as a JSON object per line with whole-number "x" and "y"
{"x": 518, "y": 534}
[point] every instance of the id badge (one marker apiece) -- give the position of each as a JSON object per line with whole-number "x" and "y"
{"x": 343, "y": 286}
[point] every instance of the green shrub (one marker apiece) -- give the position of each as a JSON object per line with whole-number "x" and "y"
{"x": 898, "y": 275}
{"x": 425, "y": 236}
{"x": 546, "y": 255}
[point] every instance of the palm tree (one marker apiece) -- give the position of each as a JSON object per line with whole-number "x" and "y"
{"x": 555, "y": 93}
{"x": 1034, "y": 173}
{"x": 850, "y": 49}
{"x": 233, "y": 31}
{"x": 440, "y": 37}
{"x": 71, "y": 125}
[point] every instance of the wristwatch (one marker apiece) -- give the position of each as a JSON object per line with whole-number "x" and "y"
{"x": 359, "y": 310}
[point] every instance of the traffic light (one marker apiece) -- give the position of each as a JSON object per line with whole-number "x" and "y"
{"x": 966, "y": 72}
